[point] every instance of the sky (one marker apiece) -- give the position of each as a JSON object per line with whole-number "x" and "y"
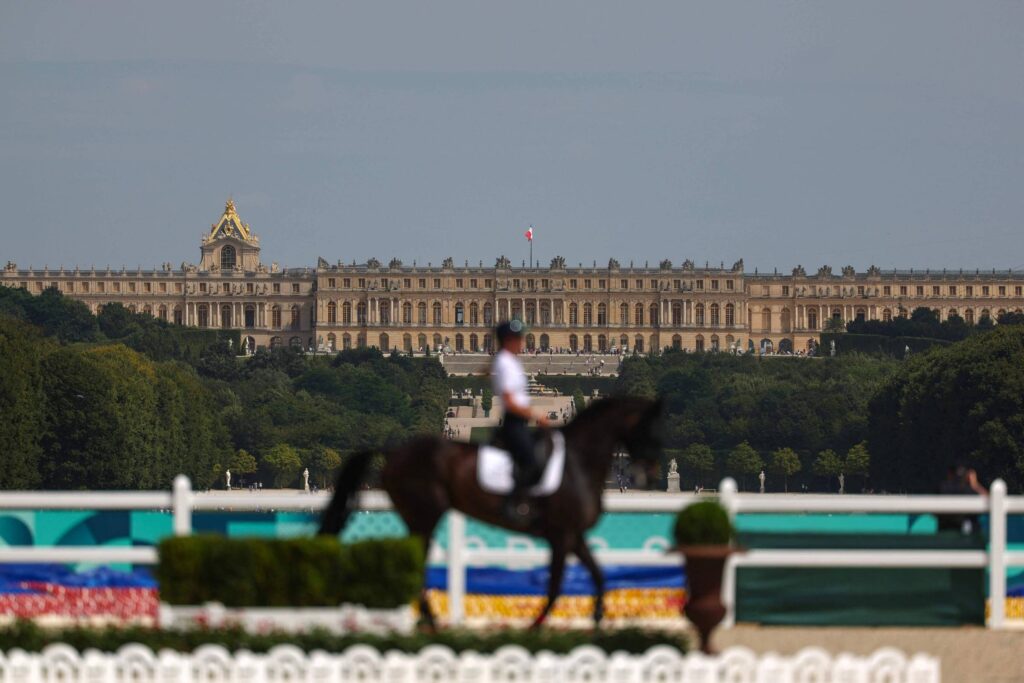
{"x": 811, "y": 133}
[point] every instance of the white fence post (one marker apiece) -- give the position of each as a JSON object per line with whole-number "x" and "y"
{"x": 729, "y": 502}
{"x": 456, "y": 567}
{"x": 997, "y": 554}
{"x": 181, "y": 505}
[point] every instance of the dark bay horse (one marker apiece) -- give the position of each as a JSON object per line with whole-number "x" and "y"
{"x": 429, "y": 475}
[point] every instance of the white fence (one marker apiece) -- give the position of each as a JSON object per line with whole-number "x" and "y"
{"x": 182, "y": 502}
{"x": 213, "y": 663}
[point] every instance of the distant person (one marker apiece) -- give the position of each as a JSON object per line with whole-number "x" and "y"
{"x": 960, "y": 481}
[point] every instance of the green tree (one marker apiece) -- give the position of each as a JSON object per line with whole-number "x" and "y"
{"x": 487, "y": 401}
{"x": 785, "y": 462}
{"x": 243, "y": 462}
{"x": 324, "y": 464}
{"x": 579, "y": 401}
{"x": 827, "y": 465}
{"x": 698, "y": 460}
{"x": 858, "y": 460}
{"x": 22, "y": 403}
{"x": 635, "y": 378}
{"x": 743, "y": 460}
{"x": 284, "y": 464}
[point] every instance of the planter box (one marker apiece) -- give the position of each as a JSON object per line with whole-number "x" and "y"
{"x": 339, "y": 620}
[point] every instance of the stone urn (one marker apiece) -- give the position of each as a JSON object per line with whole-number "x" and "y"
{"x": 705, "y": 567}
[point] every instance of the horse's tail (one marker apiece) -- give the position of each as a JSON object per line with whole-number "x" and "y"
{"x": 349, "y": 480}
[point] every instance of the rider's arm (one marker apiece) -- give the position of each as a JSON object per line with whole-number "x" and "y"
{"x": 512, "y": 408}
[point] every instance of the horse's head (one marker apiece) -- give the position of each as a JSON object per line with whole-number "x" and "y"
{"x": 641, "y": 433}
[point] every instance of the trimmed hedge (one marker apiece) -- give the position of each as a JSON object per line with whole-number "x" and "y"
{"x": 299, "y": 572}
{"x": 33, "y": 638}
{"x": 847, "y": 342}
{"x": 704, "y": 523}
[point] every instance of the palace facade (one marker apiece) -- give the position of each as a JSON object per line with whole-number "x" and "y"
{"x": 588, "y": 308}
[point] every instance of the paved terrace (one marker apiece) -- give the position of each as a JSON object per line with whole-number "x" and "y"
{"x": 545, "y": 364}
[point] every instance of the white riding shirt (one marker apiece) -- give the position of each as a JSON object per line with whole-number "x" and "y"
{"x": 508, "y": 376}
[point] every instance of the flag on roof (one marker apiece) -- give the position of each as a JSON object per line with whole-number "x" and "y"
{"x": 529, "y": 234}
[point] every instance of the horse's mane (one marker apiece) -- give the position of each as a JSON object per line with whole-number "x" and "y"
{"x": 599, "y": 410}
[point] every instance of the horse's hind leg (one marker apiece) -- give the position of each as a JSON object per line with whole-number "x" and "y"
{"x": 557, "y": 569}
{"x": 588, "y": 561}
{"x": 425, "y": 531}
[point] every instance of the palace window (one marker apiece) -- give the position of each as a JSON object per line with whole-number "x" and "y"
{"x": 573, "y": 314}
{"x": 887, "y": 290}
{"x": 332, "y": 312}
{"x": 638, "y": 315}
{"x": 952, "y": 290}
{"x": 1017, "y": 290}
{"x": 117, "y": 287}
{"x": 421, "y": 313}
{"x": 249, "y": 288}
{"x": 903, "y": 290}
{"x": 623, "y": 284}
{"x": 225, "y": 288}
{"x": 163, "y": 287}
{"x": 729, "y": 285}
{"x": 227, "y": 257}
{"x": 362, "y": 283}
{"x": 572, "y": 283}
{"x": 178, "y": 287}
{"x": 458, "y": 282}
{"x": 346, "y": 282}
{"x": 346, "y": 313}
{"x": 602, "y": 314}
{"x": 714, "y": 285}
{"x": 699, "y": 284}
{"x": 407, "y": 283}
{"x": 437, "y": 283}
{"x": 147, "y": 287}
{"x": 295, "y": 317}
{"x": 624, "y": 314}
{"x": 730, "y": 315}
{"x": 295, "y": 288}
{"x": 639, "y": 284}
{"x": 714, "y": 315}
{"x": 699, "y": 315}
{"x": 860, "y": 290}
{"x": 935, "y": 290}
{"x": 984, "y": 290}
{"x": 1002, "y": 290}
{"x": 920, "y": 290}
{"x": 423, "y": 283}
{"x": 515, "y": 283}
{"x": 588, "y": 314}
{"x": 472, "y": 283}
{"x": 275, "y": 317}
{"x": 331, "y": 282}
{"x": 202, "y": 287}
{"x": 785, "y": 290}
{"x": 586, "y": 283}
{"x": 277, "y": 288}
{"x": 85, "y": 287}
{"x": 487, "y": 283}
{"x": 654, "y": 284}
{"x": 543, "y": 283}
{"x": 437, "y": 313}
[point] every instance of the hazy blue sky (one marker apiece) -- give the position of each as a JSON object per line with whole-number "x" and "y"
{"x": 813, "y": 132}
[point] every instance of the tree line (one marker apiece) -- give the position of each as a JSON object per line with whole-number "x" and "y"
{"x": 124, "y": 401}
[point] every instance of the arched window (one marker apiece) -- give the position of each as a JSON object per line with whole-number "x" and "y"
{"x": 952, "y": 314}
{"x": 346, "y": 341}
{"x": 332, "y": 342}
{"x": 488, "y": 314}
{"x": 699, "y": 342}
{"x": 225, "y": 316}
{"x": 162, "y": 312}
{"x": 487, "y": 343}
{"x": 203, "y": 313}
{"x": 886, "y": 316}
{"x": 332, "y": 312}
{"x": 588, "y": 314}
{"x": 545, "y": 312}
{"x": 436, "y": 308}
{"x": 531, "y": 344}
{"x": 677, "y": 314}
{"x": 587, "y": 343}
{"x": 179, "y": 316}
{"x": 654, "y": 314}
{"x": 361, "y": 340}
{"x": 250, "y": 315}
{"x": 407, "y": 342}
{"x": 459, "y": 343}
{"x": 624, "y": 314}
{"x": 407, "y": 315}
{"x": 715, "y": 320}
{"x": 460, "y": 314}
{"x": 574, "y": 343}
{"x": 421, "y": 342}
{"x": 474, "y": 314}
{"x": 421, "y": 314}
{"x": 860, "y": 315}
{"x": 714, "y": 342}
{"x": 361, "y": 312}
{"x": 602, "y": 343}
{"x": 766, "y": 319}
{"x": 346, "y": 313}
{"x": 148, "y": 310}
{"x": 730, "y": 315}
{"x": 623, "y": 343}
{"x": 385, "y": 312}
{"x": 812, "y": 318}
{"x": 385, "y": 342}
{"x": 785, "y": 320}
{"x": 545, "y": 343}
{"x": 227, "y": 257}
{"x": 574, "y": 314}
{"x": 638, "y": 317}
{"x": 602, "y": 314}
{"x": 677, "y": 342}
{"x": 474, "y": 343}
{"x": 437, "y": 341}
{"x": 699, "y": 315}
{"x": 531, "y": 312}
{"x": 969, "y": 316}
{"x": 276, "y": 342}
{"x": 295, "y": 318}
{"x": 295, "y": 343}
{"x": 638, "y": 344}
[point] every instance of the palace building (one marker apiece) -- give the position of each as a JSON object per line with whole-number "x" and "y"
{"x": 576, "y": 308}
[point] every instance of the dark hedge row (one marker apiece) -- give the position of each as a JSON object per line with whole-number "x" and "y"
{"x": 32, "y": 638}
{"x": 300, "y": 572}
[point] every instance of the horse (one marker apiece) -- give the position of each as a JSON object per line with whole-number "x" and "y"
{"x": 430, "y": 475}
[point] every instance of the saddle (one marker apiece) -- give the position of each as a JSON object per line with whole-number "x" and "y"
{"x": 542, "y": 447}
{"x": 495, "y": 470}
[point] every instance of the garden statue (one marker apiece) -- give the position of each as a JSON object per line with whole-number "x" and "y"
{"x": 672, "y": 478}
{"x": 305, "y": 480}
{"x": 842, "y": 483}
{"x": 760, "y": 478}
{"x": 227, "y": 479}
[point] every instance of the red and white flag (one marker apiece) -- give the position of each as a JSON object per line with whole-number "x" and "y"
{"x": 529, "y": 234}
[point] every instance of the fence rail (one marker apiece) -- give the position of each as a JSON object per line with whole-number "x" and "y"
{"x": 182, "y": 502}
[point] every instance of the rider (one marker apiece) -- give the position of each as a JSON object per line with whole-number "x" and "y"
{"x": 509, "y": 382}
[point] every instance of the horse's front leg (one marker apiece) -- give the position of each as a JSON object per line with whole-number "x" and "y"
{"x": 588, "y": 561}
{"x": 558, "y": 550}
